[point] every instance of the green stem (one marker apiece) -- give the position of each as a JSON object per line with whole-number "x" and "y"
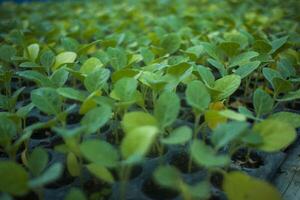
{"x": 197, "y": 119}
{"x": 125, "y": 172}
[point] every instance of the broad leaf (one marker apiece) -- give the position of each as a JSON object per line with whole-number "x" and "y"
{"x": 50, "y": 175}
{"x": 64, "y": 58}
{"x": 239, "y": 186}
{"x": 8, "y": 130}
{"x": 205, "y": 156}
{"x": 90, "y": 65}
{"x": 96, "y": 80}
{"x": 138, "y": 141}
{"x": 71, "y": 93}
{"x": 167, "y": 176}
{"x": 226, "y": 133}
{"x": 37, "y": 161}
{"x": 276, "y": 135}
{"x": 100, "y": 172}
{"x": 225, "y": 86}
{"x": 166, "y": 109}
{"x": 262, "y": 102}
{"x": 125, "y": 90}
{"x": 73, "y": 165}
{"x": 133, "y": 120}
{"x": 14, "y": 179}
{"x": 197, "y": 95}
{"x": 96, "y": 118}
{"x": 47, "y": 100}
{"x": 100, "y": 152}
{"x": 171, "y": 43}
{"x": 75, "y": 194}
{"x": 118, "y": 58}
{"x": 180, "y": 135}
{"x": 288, "y": 117}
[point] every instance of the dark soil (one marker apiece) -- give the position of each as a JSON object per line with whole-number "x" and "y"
{"x": 254, "y": 160}
{"x": 154, "y": 191}
{"x": 181, "y": 160}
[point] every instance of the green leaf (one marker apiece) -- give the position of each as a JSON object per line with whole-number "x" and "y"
{"x": 225, "y": 87}
{"x": 123, "y": 73}
{"x": 59, "y": 77}
{"x": 167, "y": 176}
{"x": 138, "y": 141}
{"x": 37, "y": 161}
{"x": 47, "y": 59}
{"x": 96, "y": 80}
{"x": 100, "y": 172}
{"x": 71, "y": 93}
{"x": 242, "y": 58}
{"x": 118, "y": 58}
{"x": 73, "y": 165}
{"x": 281, "y": 85}
{"x": 69, "y": 44}
{"x": 8, "y": 130}
{"x": 206, "y": 75}
{"x": 229, "y": 48}
{"x": 262, "y": 46}
{"x": 75, "y": 194}
{"x": 293, "y": 95}
{"x": 171, "y": 43}
{"x": 219, "y": 66}
{"x": 47, "y": 100}
{"x": 205, "y": 156}
{"x": 89, "y": 103}
{"x": 212, "y": 50}
{"x": 100, "y": 152}
{"x": 166, "y": 109}
{"x": 276, "y": 135}
{"x": 133, "y": 120}
{"x": 230, "y": 114}
{"x": 64, "y": 58}
{"x": 180, "y": 135}
{"x": 25, "y": 110}
{"x": 195, "y": 51}
{"x": 90, "y": 65}
{"x": 33, "y": 52}
{"x": 200, "y": 190}
{"x": 270, "y": 74}
{"x": 14, "y": 179}
{"x": 288, "y": 117}
{"x": 50, "y": 175}
{"x": 125, "y": 90}
{"x": 96, "y": 118}
{"x": 147, "y": 54}
{"x": 226, "y": 133}
{"x": 197, "y": 95}
{"x": 239, "y": 186}
{"x": 29, "y": 65}
{"x": 35, "y": 76}
{"x": 262, "y": 102}
{"x": 246, "y": 69}
{"x": 7, "y": 52}
{"x": 277, "y": 43}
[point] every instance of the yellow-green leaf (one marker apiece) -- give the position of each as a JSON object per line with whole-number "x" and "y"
{"x": 276, "y": 134}
{"x": 100, "y": 172}
{"x": 64, "y": 58}
{"x": 239, "y": 186}
{"x": 134, "y": 120}
{"x": 138, "y": 141}
{"x": 73, "y": 165}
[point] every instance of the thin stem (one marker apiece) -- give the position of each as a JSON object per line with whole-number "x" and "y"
{"x": 196, "y": 124}
{"x": 124, "y": 173}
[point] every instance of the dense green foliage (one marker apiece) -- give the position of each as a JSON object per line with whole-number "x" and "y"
{"x": 208, "y": 77}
